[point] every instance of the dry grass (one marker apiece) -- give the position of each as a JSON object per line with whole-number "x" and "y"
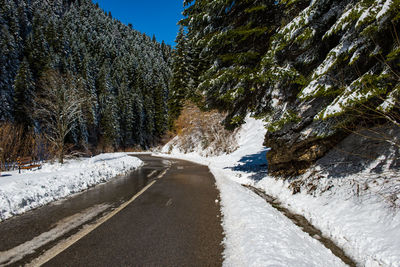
{"x": 202, "y": 132}
{"x": 14, "y": 143}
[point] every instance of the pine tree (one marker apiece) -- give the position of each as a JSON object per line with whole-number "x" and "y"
{"x": 117, "y": 67}
{"x": 160, "y": 112}
{"x": 9, "y": 57}
{"x": 107, "y": 112}
{"x": 138, "y": 119}
{"x": 126, "y": 115}
{"x": 228, "y": 40}
{"x": 23, "y": 95}
{"x": 180, "y": 78}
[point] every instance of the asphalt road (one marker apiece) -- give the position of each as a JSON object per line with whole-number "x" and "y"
{"x": 175, "y": 222}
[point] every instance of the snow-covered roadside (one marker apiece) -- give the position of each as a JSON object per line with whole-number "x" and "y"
{"x": 365, "y": 227}
{"x": 31, "y": 189}
{"x": 256, "y": 233}
{"x": 259, "y": 235}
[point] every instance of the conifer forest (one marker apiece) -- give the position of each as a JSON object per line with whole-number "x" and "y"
{"x": 119, "y": 77}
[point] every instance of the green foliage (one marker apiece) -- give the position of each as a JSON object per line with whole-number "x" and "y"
{"x": 229, "y": 46}
{"x": 180, "y": 78}
{"x": 255, "y": 9}
{"x": 306, "y": 35}
{"x": 394, "y": 54}
{"x": 255, "y": 52}
{"x": 237, "y": 120}
{"x": 23, "y": 96}
{"x": 288, "y": 117}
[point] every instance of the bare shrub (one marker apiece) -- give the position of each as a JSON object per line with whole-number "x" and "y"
{"x": 203, "y": 132}
{"x": 15, "y": 142}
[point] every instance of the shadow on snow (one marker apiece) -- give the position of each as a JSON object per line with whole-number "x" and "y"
{"x": 256, "y": 164}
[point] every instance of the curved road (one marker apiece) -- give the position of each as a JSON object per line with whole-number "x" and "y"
{"x": 174, "y": 222}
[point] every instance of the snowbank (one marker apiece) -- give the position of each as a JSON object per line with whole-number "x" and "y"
{"x": 364, "y": 226}
{"x": 31, "y": 189}
{"x": 257, "y": 235}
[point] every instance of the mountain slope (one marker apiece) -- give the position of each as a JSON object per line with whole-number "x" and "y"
{"x": 122, "y": 73}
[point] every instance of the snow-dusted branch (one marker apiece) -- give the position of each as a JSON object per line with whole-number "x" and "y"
{"x": 58, "y": 106}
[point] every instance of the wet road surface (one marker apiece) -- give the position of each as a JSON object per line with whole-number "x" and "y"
{"x": 175, "y": 222}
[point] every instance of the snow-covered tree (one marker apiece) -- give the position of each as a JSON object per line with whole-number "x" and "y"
{"x": 58, "y": 107}
{"x": 23, "y": 95}
{"x": 78, "y": 38}
{"x": 180, "y": 77}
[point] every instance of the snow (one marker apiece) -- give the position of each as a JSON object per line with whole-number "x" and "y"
{"x": 388, "y": 104}
{"x": 362, "y": 224}
{"x": 62, "y": 227}
{"x": 340, "y": 23}
{"x": 256, "y": 234}
{"x": 317, "y": 84}
{"x": 259, "y": 235}
{"x": 385, "y": 8}
{"x": 314, "y": 87}
{"x": 31, "y": 189}
{"x": 292, "y": 29}
{"x": 352, "y": 94}
{"x": 367, "y": 13}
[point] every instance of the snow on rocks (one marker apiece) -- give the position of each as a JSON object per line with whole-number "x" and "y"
{"x": 31, "y": 189}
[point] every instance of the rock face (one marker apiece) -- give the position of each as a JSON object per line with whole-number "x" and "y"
{"x": 292, "y": 160}
{"x": 375, "y": 148}
{"x": 335, "y": 68}
{"x": 366, "y": 159}
{"x": 298, "y": 145}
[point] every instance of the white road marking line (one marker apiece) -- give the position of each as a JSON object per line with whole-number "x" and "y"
{"x": 60, "y": 247}
{"x": 151, "y": 174}
{"x": 60, "y": 228}
{"x": 162, "y": 174}
{"x": 169, "y": 202}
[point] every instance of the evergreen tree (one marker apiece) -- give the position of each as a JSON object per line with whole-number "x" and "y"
{"x": 9, "y": 57}
{"x": 160, "y": 112}
{"x": 228, "y": 40}
{"x": 180, "y": 78}
{"x": 23, "y": 95}
{"x": 138, "y": 119}
{"x": 107, "y": 122}
{"x": 126, "y": 115}
{"x": 117, "y": 68}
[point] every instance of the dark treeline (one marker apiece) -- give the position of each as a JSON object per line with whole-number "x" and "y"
{"x": 121, "y": 74}
{"x": 246, "y": 56}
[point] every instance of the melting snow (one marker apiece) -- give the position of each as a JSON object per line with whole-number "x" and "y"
{"x": 31, "y": 189}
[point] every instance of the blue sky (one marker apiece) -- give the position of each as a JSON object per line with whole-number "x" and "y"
{"x": 158, "y": 17}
